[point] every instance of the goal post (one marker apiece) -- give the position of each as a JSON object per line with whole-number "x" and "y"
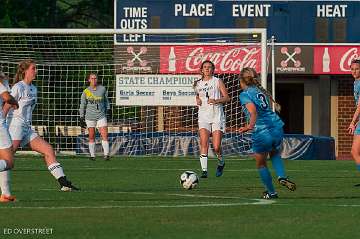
{"x": 140, "y": 125}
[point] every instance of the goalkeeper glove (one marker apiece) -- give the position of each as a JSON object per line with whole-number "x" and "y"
{"x": 82, "y": 123}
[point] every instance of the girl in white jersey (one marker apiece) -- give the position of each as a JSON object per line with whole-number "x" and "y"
{"x": 211, "y": 94}
{"x": 20, "y": 122}
{"x": 6, "y": 153}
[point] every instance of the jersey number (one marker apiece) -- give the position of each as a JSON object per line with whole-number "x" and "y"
{"x": 263, "y": 103}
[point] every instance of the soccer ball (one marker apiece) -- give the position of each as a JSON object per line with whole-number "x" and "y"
{"x": 189, "y": 180}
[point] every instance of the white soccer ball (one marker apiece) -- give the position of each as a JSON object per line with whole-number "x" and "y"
{"x": 189, "y": 180}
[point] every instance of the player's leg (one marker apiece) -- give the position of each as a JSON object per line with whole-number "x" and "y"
{"x": 102, "y": 124}
{"x": 262, "y": 145}
{"x": 41, "y": 146}
{"x": 277, "y": 162}
{"x": 204, "y": 134}
{"x": 355, "y": 150}
{"x": 6, "y": 163}
{"x": 216, "y": 139}
{"x": 91, "y": 130}
{"x": 265, "y": 175}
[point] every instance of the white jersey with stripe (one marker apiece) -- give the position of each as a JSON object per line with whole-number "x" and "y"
{"x": 4, "y": 87}
{"x": 26, "y": 95}
{"x": 209, "y": 89}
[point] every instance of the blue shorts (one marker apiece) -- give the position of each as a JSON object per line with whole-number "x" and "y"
{"x": 357, "y": 129}
{"x": 267, "y": 140}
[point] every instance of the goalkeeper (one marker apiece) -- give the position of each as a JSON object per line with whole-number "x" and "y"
{"x": 94, "y": 107}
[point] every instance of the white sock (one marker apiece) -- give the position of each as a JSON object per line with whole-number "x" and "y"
{"x": 92, "y": 149}
{"x": 56, "y": 170}
{"x": 3, "y": 165}
{"x": 105, "y": 145}
{"x": 5, "y": 182}
{"x": 203, "y": 162}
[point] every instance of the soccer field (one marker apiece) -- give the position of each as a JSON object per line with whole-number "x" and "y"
{"x": 142, "y": 198}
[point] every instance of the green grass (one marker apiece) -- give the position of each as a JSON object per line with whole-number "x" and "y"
{"x": 142, "y": 198}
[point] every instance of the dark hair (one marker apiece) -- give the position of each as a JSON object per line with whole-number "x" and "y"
{"x": 201, "y": 67}
{"x": 355, "y": 61}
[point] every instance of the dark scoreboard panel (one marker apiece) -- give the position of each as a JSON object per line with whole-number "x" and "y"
{"x": 288, "y": 21}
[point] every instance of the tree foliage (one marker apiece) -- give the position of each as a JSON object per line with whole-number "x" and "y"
{"x": 56, "y": 13}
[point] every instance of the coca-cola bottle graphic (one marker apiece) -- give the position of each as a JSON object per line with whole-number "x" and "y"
{"x": 326, "y": 60}
{"x": 172, "y": 60}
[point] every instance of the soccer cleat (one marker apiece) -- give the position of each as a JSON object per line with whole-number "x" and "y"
{"x": 287, "y": 183}
{"x": 204, "y": 174}
{"x": 267, "y": 195}
{"x": 220, "y": 170}
{"x": 357, "y": 185}
{"x": 92, "y": 158}
{"x": 106, "y": 157}
{"x": 66, "y": 185}
{"x": 5, "y": 198}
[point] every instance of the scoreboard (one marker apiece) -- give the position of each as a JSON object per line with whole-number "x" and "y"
{"x": 288, "y": 21}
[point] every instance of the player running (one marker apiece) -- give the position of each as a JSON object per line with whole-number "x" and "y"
{"x": 20, "y": 121}
{"x": 211, "y": 94}
{"x": 267, "y": 131}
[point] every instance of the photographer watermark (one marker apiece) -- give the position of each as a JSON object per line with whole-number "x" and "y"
{"x": 28, "y": 231}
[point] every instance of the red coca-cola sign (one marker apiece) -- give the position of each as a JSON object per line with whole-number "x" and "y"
{"x": 334, "y": 59}
{"x": 227, "y": 59}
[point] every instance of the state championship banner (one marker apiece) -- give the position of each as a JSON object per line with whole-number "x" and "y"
{"x": 155, "y": 90}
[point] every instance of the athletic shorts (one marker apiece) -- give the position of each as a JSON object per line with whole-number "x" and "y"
{"x": 267, "y": 140}
{"x": 211, "y": 127}
{"x": 5, "y": 138}
{"x": 22, "y": 132}
{"x": 96, "y": 123}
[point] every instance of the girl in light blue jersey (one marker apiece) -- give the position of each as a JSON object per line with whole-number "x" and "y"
{"x": 267, "y": 131}
{"x": 354, "y": 127}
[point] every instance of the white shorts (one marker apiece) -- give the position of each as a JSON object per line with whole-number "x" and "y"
{"x": 5, "y": 138}
{"x": 211, "y": 127}
{"x": 22, "y": 132}
{"x": 98, "y": 124}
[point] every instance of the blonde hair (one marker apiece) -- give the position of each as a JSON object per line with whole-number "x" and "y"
{"x": 22, "y": 67}
{"x": 249, "y": 77}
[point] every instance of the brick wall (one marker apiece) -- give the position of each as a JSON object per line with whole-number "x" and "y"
{"x": 346, "y": 109}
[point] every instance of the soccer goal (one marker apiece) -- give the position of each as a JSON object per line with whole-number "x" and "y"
{"x": 148, "y": 74}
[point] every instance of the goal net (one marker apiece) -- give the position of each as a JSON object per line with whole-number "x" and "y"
{"x": 149, "y": 84}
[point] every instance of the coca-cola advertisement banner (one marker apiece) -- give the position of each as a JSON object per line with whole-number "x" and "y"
{"x": 227, "y": 59}
{"x": 334, "y": 59}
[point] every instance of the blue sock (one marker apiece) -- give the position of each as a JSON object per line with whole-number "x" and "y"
{"x": 278, "y": 165}
{"x": 358, "y": 166}
{"x": 266, "y": 179}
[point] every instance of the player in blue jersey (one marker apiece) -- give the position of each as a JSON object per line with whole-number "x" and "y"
{"x": 354, "y": 128}
{"x": 267, "y": 131}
